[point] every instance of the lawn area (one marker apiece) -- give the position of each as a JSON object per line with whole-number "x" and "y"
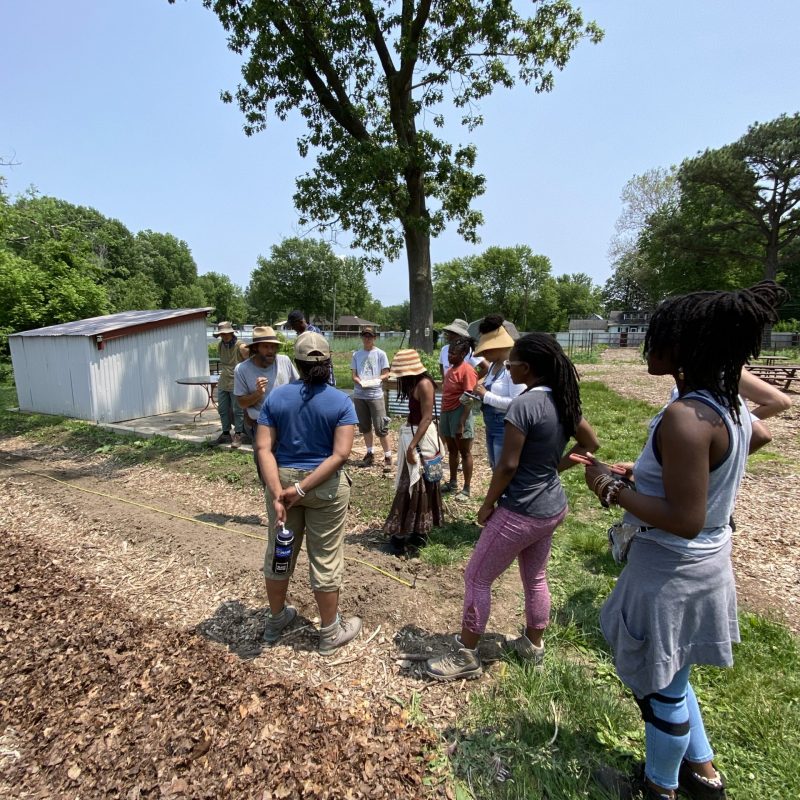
{"x": 548, "y": 727}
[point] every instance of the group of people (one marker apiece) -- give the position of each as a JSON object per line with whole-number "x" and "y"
{"x": 674, "y": 604}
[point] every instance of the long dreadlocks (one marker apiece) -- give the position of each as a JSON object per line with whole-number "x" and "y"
{"x": 543, "y": 354}
{"x": 711, "y": 335}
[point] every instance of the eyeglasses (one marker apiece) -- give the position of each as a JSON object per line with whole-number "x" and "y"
{"x": 508, "y": 364}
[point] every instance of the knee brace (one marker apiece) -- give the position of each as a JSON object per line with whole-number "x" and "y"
{"x": 663, "y": 725}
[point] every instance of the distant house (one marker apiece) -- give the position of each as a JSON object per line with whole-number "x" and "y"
{"x": 621, "y": 329}
{"x": 353, "y": 324}
{"x": 628, "y": 321}
{"x": 112, "y": 368}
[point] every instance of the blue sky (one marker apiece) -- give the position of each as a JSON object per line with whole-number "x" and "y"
{"x": 115, "y": 104}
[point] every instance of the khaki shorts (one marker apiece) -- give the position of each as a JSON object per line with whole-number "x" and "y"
{"x": 319, "y": 518}
{"x": 371, "y": 414}
{"x": 448, "y": 423}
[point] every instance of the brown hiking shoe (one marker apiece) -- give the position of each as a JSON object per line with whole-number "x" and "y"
{"x": 367, "y": 461}
{"x": 237, "y": 441}
{"x": 387, "y": 464}
{"x": 224, "y": 438}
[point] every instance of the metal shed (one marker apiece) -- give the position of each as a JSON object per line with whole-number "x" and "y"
{"x": 113, "y": 368}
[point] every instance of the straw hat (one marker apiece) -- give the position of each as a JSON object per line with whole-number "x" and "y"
{"x": 223, "y": 327}
{"x": 457, "y": 326}
{"x": 263, "y": 333}
{"x": 406, "y": 362}
{"x": 494, "y": 340}
{"x": 311, "y": 346}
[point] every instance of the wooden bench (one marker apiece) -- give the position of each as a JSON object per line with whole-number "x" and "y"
{"x": 782, "y": 376}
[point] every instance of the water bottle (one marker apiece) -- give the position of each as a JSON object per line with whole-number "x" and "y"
{"x": 284, "y": 543}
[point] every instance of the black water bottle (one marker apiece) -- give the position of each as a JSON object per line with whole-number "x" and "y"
{"x": 284, "y": 543}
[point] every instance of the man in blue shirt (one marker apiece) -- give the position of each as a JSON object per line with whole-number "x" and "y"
{"x": 304, "y": 438}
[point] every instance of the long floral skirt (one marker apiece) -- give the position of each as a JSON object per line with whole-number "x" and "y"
{"x": 414, "y": 514}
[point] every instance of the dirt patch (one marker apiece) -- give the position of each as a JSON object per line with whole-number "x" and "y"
{"x": 197, "y": 575}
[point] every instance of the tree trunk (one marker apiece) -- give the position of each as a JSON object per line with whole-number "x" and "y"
{"x": 772, "y": 251}
{"x": 420, "y": 288}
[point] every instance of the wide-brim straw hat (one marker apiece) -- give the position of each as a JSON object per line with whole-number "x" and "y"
{"x": 223, "y": 327}
{"x": 458, "y": 326}
{"x": 494, "y": 340}
{"x": 406, "y": 362}
{"x": 510, "y": 327}
{"x": 264, "y": 333}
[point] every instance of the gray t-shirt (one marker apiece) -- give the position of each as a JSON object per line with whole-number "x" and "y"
{"x": 536, "y": 490}
{"x": 368, "y": 365}
{"x": 281, "y": 371}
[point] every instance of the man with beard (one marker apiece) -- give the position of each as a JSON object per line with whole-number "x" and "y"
{"x": 255, "y": 378}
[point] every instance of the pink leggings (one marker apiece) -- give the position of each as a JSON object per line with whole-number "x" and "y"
{"x": 507, "y": 536}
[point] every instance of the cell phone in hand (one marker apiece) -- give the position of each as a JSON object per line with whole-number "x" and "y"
{"x": 591, "y": 461}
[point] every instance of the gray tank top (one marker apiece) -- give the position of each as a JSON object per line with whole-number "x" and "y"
{"x": 723, "y": 481}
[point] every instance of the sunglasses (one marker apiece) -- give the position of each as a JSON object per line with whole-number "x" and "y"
{"x": 509, "y": 364}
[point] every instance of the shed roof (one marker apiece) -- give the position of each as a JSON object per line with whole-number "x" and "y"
{"x": 112, "y": 325}
{"x": 354, "y": 321}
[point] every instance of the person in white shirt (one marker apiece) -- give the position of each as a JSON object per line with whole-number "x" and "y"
{"x": 370, "y": 367}
{"x": 496, "y": 389}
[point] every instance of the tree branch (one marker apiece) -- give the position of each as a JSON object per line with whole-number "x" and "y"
{"x": 378, "y": 41}
{"x": 333, "y": 96}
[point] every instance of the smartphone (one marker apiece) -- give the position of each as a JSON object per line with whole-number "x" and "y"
{"x": 591, "y": 461}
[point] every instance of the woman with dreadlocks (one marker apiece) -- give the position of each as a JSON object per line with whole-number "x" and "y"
{"x": 674, "y": 604}
{"x": 532, "y": 504}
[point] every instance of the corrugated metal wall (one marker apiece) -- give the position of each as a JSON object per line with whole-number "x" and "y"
{"x": 134, "y": 376}
{"x": 51, "y": 374}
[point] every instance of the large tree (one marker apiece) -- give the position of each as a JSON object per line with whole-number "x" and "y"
{"x": 737, "y": 217}
{"x": 226, "y": 297}
{"x": 365, "y": 75}
{"x": 754, "y": 184}
{"x": 634, "y": 283}
{"x": 512, "y": 281}
{"x": 306, "y": 274}
{"x": 169, "y": 262}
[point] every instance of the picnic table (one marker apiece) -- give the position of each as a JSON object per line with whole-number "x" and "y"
{"x": 771, "y": 360}
{"x": 781, "y": 375}
{"x": 209, "y": 383}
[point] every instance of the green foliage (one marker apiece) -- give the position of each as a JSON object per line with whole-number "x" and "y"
{"x": 169, "y": 262}
{"x": 60, "y": 262}
{"x": 304, "y": 273}
{"x": 736, "y": 220}
{"x": 787, "y": 326}
{"x": 360, "y": 74}
{"x": 515, "y": 282}
{"x": 227, "y": 299}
